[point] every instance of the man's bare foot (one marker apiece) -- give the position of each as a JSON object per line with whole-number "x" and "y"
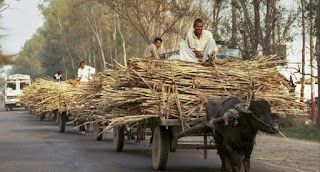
{"x": 207, "y": 63}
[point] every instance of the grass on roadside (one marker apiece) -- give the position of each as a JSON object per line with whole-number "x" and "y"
{"x": 301, "y": 131}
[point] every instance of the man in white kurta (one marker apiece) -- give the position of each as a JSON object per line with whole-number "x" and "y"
{"x": 199, "y": 46}
{"x": 85, "y": 72}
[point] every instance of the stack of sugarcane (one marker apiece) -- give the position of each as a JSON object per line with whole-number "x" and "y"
{"x": 86, "y": 97}
{"x": 46, "y": 95}
{"x": 151, "y": 88}
{"x": 173, "y": 89}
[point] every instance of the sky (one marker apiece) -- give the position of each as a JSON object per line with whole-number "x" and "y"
{"x": 20, "y": 22}
{"x": 23, "y": 18}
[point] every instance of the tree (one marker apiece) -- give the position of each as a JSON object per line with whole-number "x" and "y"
{"x": 311, "y": 22}
{"x": 234, "y": 24}
{"x": 303, "y": 51}
{"x": 4, "y": 59}
{"x": 317, "y": 26}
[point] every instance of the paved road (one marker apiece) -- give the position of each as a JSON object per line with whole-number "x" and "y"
{"x": 27, "y": 144}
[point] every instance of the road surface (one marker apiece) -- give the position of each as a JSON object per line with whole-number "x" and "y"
{"x": 27, "y": 144}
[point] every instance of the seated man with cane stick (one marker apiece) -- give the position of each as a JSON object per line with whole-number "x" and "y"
{"x": 199, "y": 46}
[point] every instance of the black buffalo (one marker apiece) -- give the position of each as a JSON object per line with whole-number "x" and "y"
{"x": 235, "y": 141}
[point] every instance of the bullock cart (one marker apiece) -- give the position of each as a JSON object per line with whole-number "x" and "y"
{"x": 165, "y": 135}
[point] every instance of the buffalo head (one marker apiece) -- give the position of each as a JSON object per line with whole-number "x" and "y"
{"x": 261, "y": 117}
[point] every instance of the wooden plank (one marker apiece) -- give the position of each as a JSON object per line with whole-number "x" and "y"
{"x": 176, "y": 122}
{"x": 195, "y": 146}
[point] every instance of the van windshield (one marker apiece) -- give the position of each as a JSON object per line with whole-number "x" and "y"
{"x": 23, "y": 85}
{"x": 11, "y": 86}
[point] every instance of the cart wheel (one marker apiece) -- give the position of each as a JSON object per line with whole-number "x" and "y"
{"x": 42, "y": 116}
{"x": 55, "y": 114}
{"x": 58, "y": 118}
{"x": 173, "y": 142}
{"x": 160, "y": 148}
{"x": 97, "y": 129}
{"x": 81, "y": 128}
{"x": 62, "y": 122}
{"x": 118, "y": 138}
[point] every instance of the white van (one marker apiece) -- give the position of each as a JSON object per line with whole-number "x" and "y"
{"x": 13, "y": 89}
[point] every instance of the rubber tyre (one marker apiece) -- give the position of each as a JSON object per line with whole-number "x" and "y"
{"x": 97, "y": 129}
{"x": 118, "y": 138}
{"x": 58, "y": 118}
{"x": 160, "y": 148}
{"x": 55, "y": 114}
{"x": 42, "y": 116}
{"x": 62, "y": 122}
{"x": 81, "y": 128}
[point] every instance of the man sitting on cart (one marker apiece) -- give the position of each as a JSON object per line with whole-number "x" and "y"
{"x": 153, "y": 50}
{"x": 199, "y": 46}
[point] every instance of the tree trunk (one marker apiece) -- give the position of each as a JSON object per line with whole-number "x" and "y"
{"x": 303, "y": 53}
{"x": 256, "y": 4}
{"x": 313, "y": 106}
{"x": 234, "y": 24}
{"x": 114, "y": 36}
{"x": 318, "y": 60}
{"x": 123, "y": 43}
{"x": 96, "y": 29}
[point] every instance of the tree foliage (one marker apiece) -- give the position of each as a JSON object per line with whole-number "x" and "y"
{"x": 103, "y": 33}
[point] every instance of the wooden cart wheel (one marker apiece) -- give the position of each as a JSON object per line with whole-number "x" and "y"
{"x": 160, "y": 148}
{"x": 118, "y": 138}
{"x": 42, "y": 116}
{"x": 97, "y": 129}
{"x": 62, "y": 122}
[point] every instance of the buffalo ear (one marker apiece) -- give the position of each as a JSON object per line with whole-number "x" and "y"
{"x": 242, "y": 107}
{"x": 276, "y": 118}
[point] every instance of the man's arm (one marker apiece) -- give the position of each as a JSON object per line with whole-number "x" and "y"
{"x": 79, "y": 73}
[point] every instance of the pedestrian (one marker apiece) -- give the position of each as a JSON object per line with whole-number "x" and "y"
{"x": 85, "y": 72}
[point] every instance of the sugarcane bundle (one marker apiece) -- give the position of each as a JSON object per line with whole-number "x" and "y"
{"x": 46, "y": 95}
{"x": 86, "y": 97}
{"x": 173, "y": 89}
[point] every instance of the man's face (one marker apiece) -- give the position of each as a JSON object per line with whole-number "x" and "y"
{"x": 198, "y": 27}
{"x": 158, "y": 44}
{"x": 82, "y": 65}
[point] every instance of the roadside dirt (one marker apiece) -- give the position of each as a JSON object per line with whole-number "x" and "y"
{"x": 295, "y": 155}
